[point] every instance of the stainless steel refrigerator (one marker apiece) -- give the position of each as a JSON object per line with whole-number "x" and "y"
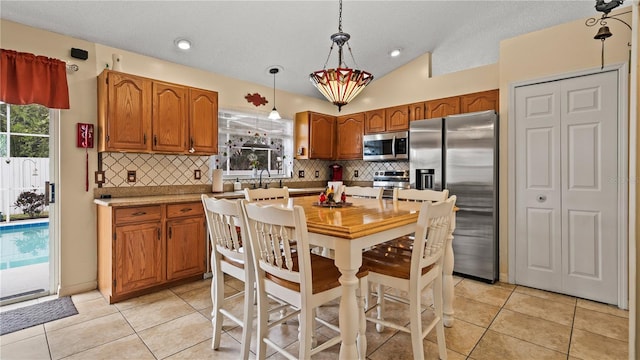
{"x": 460, "y": 153}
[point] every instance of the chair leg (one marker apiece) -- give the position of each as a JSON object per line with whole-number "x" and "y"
{"x": 263, "y": 318}
{"x": 415, "y": 324}
{"x": 217, "y": 297}
{"x": 363, "y": 293}
{"x": 306, "y": 318}
{"x": 438, "y": 307}
{"x": 380, "y": 307}
{"x": 247, "y": 318}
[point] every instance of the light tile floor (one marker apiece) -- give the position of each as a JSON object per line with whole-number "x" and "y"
{"x": 499, "y": 321}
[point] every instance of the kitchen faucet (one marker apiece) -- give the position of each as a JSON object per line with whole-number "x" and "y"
{"x": 260, "y": 181}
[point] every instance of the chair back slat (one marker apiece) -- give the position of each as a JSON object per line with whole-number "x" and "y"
{"x": 431, "y": 234}
{"x": 224, "y": 226}
{"x": 419, "y": 195}
{"x": 364, "y": 192}
{"x": 278, "y": 237}
{"x": 266, "y": 194}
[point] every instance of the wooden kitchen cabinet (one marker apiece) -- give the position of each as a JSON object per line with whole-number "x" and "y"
{"x": 124, "y": 112}
{"x": 170, "y": 117}
{"x": 349, "y": 136}
{"x": 390, "y": 119}
{"x": 416, "y": 111}
{"x": 480, "y": 101}
{"x": 375, "y": 121}
{"x": 185, "y": 240}
{"x": 136, "y": 114}
{"x": 314, "y": 135}
{"x": 138, "y": 257}
{"x": 397, "y": 118}
{"x": 145, "y": 248}
{"x": 442, "y": 107}
{"x": 203, "y": 121}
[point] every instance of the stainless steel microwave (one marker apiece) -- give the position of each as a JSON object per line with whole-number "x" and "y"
{"x": 385, "y": 147}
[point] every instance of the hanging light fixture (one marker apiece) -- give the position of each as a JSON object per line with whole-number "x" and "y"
{"x": 274, "y": 114}
{"x": 604, "y": 32}
{"x": 342, "y": 84}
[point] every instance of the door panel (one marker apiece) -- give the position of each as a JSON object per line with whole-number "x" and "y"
{"x": 589, "y": 197}
{"x": 584, "y": 244}
{"x": 538, "y": 230}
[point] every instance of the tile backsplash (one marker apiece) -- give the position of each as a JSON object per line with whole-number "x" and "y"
{"x": 173, "y": 170}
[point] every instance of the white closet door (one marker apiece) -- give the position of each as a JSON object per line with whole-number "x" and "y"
{"x": 589, "y": 187}
{"x": 538, "y": 189}
{"x": 566, "y": 191}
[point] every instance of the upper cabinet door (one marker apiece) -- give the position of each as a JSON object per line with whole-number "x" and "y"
{"x": 480, "y": 101}
{"x": 203, "y": 122}
{"x": 397, "y": 118}
{"x": 170, "y": 113}
{"x": 127, "y": 103}
{"x": 375, "y": 121}
{"x": 349, "y": 134}
{"x": 443, "y": 107}
{"x": 322, "y": 136}
{"x": 416, "y": 111}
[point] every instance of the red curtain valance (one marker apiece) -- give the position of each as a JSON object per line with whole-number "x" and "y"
{"x": 29, "y": 79}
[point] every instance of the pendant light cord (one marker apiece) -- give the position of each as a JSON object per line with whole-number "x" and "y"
{"x": 274, "y": 90}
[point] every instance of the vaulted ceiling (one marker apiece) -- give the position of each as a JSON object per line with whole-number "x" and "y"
{"x": 243, "y": 39}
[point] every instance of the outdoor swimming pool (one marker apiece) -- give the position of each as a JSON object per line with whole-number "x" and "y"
{"x": 24, "y": 244}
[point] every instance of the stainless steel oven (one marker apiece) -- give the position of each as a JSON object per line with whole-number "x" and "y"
{"x": 385, "y": 147}
{"x": 391, "y": 179}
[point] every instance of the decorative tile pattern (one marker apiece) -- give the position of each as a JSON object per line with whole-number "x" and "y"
{"x": 171, "y": 170}
{"x": 154, "y": 169}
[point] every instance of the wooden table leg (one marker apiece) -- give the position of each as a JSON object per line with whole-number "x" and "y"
{"x": 447, "y": 277}
{"x": 349, "y": 315}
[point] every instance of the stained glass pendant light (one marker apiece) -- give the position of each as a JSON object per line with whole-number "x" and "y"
{"x": 342, "y": 84}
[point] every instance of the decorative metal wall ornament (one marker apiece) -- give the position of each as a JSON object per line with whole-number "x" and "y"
{"x": 256, "y": 99}
{"x": 342, "y": 84}
{"x": 604, "y": 32}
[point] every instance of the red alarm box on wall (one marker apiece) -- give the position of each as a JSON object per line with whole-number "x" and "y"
{"x": 85, "y": 135}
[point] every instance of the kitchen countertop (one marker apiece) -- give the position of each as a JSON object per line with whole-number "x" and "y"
{"x": 164, "y": 199}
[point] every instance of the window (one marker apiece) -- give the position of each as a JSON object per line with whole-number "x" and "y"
{"x": 252, "y": 141}
{"x": 24, "y": 131}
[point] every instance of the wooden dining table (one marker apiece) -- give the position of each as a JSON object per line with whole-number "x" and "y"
{"x": 348, "y": 230}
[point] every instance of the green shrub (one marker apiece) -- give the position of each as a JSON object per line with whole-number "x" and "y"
{"x": 31, "y": 203}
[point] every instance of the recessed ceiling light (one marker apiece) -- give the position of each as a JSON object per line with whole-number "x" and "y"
{"x": 183, "y": 44}
{"x": 395, "y": 52}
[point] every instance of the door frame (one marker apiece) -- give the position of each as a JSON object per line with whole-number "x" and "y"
{"x": 623, "y": 172}
{"x": 54, "y": 208}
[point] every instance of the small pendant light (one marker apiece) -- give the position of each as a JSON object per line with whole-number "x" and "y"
{"x": 274, "y": 115}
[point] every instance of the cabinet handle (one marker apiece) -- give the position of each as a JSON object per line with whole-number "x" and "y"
{"x": 169, "y": 232}
{"x": 191, "y": 142}
{"x": 185, "y": 209}
{"x": 145, "y": 138}
{"x": 139, "y": 213}
{"x": 155, "y": 140}
{"x": 158, "y": 232}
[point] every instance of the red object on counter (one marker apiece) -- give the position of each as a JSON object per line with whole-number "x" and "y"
{"x": 335, "y": 172}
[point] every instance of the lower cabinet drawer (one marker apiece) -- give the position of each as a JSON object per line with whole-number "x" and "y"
{"x": 138, "y": 214}
{"x": 185, "y": 209}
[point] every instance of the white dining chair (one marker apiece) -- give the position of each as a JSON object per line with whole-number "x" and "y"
{"x": 364, "y": 192}
{"x": 412, "y": 271}
{"x": 229, "y": 256}
{"x": 232, "y": 256}
{"x": 266, "y": 194}
{"x": 300, "y": 278}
